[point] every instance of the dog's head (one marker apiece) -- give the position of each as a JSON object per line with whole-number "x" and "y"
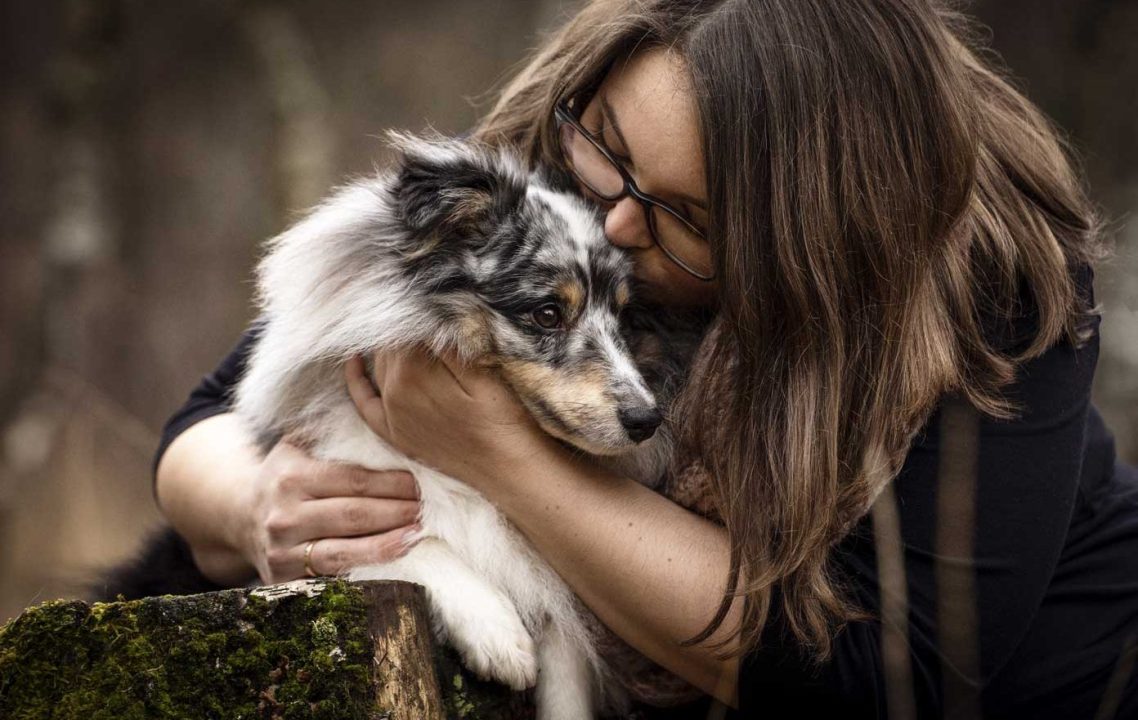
{"x": 528, "y": 284}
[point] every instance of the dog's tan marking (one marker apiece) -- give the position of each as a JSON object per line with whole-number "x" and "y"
{"x": 425, "y": 249}
{"x": 474, "y": 335}
{"x": 623, "y": 295}
{"x": 648, "y": 350}
{"x": 573, "y": 296}
{"x": 469, "y": 206}
{"x": 579, "y": 399}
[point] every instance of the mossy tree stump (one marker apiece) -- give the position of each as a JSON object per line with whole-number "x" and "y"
{"x": 308, "y": 649}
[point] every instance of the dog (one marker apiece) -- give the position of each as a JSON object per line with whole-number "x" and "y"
{"x": 458, "y": 248}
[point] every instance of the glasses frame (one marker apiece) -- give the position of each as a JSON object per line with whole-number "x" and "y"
{"x": 564, "y": 115}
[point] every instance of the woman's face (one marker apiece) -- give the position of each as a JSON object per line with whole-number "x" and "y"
{"x": 644, "y": 113}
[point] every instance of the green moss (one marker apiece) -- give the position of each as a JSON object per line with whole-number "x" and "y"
{"x": 226, "y": 654}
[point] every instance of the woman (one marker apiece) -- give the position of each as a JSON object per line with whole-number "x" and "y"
{"x": 898, "y": 254}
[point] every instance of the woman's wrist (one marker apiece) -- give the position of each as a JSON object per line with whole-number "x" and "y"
{"x": 516, "y": 466}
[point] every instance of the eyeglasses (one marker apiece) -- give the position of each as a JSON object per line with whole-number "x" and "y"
{"x": 598, "y": 170}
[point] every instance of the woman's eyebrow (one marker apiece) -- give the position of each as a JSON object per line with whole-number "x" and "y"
{"x": 610, "y": 117}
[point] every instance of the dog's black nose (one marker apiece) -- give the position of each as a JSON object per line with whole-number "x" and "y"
{"x": 641, "y": 423}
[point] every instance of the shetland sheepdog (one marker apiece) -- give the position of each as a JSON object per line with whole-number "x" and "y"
{"x": 457, "y": 247}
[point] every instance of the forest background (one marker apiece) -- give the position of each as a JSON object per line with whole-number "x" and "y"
{"x": 147, "y": 149}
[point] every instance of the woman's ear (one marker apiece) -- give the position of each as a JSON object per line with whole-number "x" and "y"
{"x": 452, "y": 189}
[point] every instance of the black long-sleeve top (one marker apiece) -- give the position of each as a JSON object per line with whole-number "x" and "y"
{"x": 1055, "y": 565}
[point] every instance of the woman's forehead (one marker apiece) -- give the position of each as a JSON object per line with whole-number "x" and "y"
{"x": 650, "y": 95}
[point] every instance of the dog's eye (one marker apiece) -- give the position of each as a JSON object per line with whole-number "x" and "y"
{"x": 548, "y": 316}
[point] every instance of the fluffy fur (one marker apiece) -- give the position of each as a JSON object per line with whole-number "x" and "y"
{"x": 458, "y": 248}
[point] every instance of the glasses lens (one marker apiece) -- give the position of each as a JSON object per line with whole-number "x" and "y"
{"x": 589, "y": 164}
{"x": 682, "y": 242}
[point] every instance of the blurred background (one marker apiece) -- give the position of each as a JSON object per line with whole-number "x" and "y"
{"x": 147, "y": 149}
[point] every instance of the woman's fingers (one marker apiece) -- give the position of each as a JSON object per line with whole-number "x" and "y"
{"x": 296, "y": 499}
{"x": 334, "y": 480}
{"x": 333, "y": 556}
{"x": 345, "y": 517}
{"x": 302, "y": 476}
{"x": 368, "y": 404}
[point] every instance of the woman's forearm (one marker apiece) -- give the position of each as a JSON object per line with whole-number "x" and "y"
{"x": 200, "y": 482}
{"x": 651, "y": 570}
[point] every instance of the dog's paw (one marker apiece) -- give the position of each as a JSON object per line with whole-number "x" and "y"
{"x": 497, "y": 647}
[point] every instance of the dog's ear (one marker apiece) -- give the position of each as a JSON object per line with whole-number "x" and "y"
{"x": 453, "y": 190}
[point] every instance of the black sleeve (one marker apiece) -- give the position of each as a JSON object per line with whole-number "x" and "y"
{"x": 1029, "y": 471}
{"x": 213, "y": 393}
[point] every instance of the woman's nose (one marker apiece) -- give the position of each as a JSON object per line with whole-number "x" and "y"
{"x": 626, "y": 224}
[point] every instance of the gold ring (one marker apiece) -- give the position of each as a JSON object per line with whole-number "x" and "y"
{"x": 308, "y": 559}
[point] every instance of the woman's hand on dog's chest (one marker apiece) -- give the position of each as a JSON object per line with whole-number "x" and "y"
{"x": 461, "y": 421}
{"x": 349, "y": 514}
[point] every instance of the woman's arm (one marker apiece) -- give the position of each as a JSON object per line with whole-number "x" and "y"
{"x": 200, "y": 484}
{"x": 649, "y": 569}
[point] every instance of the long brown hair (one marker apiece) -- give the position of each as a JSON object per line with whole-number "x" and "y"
{"x": 878, "y": 194}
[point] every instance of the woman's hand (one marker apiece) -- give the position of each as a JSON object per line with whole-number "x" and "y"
{"x": 459, "y": 420}
{"x": 352, "y": 515}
